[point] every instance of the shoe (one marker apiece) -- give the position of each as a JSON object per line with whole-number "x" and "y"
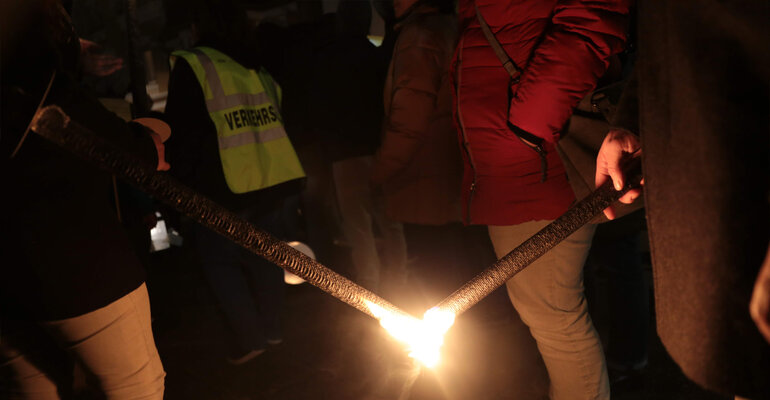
{"x": 246, "y": 357}
{"x": 275, "y": 341}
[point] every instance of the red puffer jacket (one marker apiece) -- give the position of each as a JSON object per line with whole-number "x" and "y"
{"x": 562, "y": 47}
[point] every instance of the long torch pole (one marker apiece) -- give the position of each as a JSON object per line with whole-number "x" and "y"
{"x": 53, "y": 124}
{"x": 526, "y": 253}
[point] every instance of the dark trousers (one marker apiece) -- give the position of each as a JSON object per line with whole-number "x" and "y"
{"x": 437, "y": 260}
{"x": 249, "y": 289}
{"x": 617, "y": 258}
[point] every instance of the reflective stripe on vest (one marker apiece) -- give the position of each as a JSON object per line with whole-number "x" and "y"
{"x": 253, "y": 146}
{"x": 251, "y": 137}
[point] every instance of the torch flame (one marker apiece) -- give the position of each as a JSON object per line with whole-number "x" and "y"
{"x": 423, "y": 338}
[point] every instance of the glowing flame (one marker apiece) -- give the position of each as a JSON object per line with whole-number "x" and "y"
{"x": 423, "y": 338}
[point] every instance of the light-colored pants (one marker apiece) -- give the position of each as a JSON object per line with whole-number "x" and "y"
{"x": 549, "y": 297}
{"x": 361, "y": 212}
{"x": 114, "y": 345}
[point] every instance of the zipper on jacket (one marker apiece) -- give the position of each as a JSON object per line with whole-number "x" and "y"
{"x": 533, "y": 142}
{"x": 538, "y": 148}
{"x": 470, "y": 198}
{"x": 462, "y": 131}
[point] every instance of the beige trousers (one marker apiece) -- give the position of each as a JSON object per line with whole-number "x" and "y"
{"x": 549, "y": 297}
{"x": 114, "y": 345}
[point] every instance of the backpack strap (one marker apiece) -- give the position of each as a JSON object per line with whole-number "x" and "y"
{"x": 507, "y": 62}
{"x": 532, "y": 141}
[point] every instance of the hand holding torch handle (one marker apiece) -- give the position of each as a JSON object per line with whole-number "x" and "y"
{"x": 526, "y": 253}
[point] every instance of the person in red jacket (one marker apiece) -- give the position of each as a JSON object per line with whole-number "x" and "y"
{"x": 514, "y": 181}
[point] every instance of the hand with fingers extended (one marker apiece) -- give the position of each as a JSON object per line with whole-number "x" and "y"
{"x": 618, "y": 148}
{"x": 97, "y": 64}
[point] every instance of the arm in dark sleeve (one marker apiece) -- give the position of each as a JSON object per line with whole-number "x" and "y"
{"x": 189, "y": 119}
{"x": 82, "y": 107}
{"x": 572, "y": 56}
{"x": 417, "y": 77}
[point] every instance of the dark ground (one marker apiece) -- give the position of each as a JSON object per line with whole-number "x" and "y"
{"x": 332, "y": 351}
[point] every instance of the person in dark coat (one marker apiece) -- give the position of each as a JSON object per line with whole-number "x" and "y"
{"x": 704, "y": 92}
{"x": 418, "y": 164}
{"x": 71, "y": 289}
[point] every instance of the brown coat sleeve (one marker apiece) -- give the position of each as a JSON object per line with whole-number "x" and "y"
{"x": 413, "y": 82}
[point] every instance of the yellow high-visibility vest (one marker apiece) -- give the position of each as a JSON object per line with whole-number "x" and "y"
{"x": 244, "y": 106}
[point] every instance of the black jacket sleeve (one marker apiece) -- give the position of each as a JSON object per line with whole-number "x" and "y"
{"x": 188, "y": 117}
